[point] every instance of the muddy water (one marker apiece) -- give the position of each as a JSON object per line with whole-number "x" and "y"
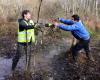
{"x": 5, "y": 67}
{"x": 50, "y": 62}
{"x": 42, "y": 60}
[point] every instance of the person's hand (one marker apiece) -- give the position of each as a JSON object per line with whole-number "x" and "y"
{"x": 53, "y": 20}
{"x": 56, "y": 24}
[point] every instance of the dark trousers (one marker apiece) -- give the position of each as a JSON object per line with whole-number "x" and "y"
{"x": 82, "y": 44}
{"x": 21, "y": 49}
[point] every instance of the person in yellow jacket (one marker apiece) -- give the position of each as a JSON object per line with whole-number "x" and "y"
{"x": 26, "y": 36}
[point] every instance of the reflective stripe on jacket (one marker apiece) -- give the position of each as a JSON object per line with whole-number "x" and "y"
{"x": 26, "y": 35}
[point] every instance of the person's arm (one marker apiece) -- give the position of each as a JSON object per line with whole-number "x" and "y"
{"x": 68, "y": 28}
{"x": 23, "y": 25}
{"x": 66, "y": 21}
{"x": 26, "y": 27}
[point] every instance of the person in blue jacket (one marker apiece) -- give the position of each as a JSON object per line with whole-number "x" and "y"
{"x": 79, "y": 31}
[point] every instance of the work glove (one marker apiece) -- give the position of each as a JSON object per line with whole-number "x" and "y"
{"x": 49, "y": 25}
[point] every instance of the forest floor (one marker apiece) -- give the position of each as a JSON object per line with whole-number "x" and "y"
{"x": 50, "y": 61}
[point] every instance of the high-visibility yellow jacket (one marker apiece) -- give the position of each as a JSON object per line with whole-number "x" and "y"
{"x": 26, "y": 35}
